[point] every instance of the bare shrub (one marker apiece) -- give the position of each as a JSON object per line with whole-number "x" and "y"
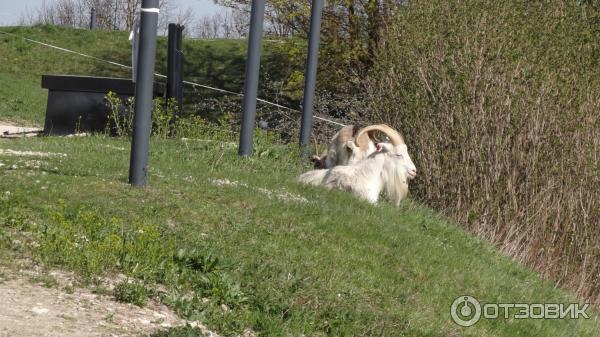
{"x": 110, "y": 14}
{"x": 228, "y": 23}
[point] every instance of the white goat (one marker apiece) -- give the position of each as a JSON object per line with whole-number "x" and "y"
{"x": 386, "y": 170}
{"x": 337, "y": 152}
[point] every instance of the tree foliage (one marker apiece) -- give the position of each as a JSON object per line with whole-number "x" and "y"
{"x": 350, "y": 29}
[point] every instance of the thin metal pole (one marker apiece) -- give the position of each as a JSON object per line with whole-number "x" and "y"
{"x": 171, "y": 61}
{"x": 142, "y": 121}
{"x": 135, "y": 44}
{"x": 251, "y": 81}
{"x": 93, "y": 19}
{"x": 179, "y": 81}
{"x": 179, "y": 67}
{"x": 310, "y": 78}
{"x": 175, "y": 65}
{"x": 115, "y": 16}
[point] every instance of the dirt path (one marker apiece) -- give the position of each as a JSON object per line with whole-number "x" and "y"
{"x": 29, "y": 309}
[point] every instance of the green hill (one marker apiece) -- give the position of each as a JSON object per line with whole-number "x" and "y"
{"x": 218, "y": 63}
{"x": 235, "y": 242}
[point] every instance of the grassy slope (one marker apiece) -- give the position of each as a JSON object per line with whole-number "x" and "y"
{"x": 305, "y": 269}
{"x": 376, "y": 270}
{"x": 218, "y": 63}
{"x": 22, "y": 64}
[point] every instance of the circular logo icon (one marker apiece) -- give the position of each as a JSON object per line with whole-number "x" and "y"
{"x": 465, "y": 311}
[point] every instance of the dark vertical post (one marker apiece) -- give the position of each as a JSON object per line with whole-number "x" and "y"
{"x": 310, "y": 78}
{"x": 135, "y": 48}
{"x": 93, "y": 19}
{"x": 115, "y": 16}
{"x": 251, "y": 81}
{"x": 179, "y": 68}
{"x": 179, "y": 74}
{"x": 142, "y": 121}
{"x": 171, "y": 56}
{"x": 175, "y": 65}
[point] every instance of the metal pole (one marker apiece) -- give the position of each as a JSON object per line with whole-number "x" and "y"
{"x": 171, "y": 60}
{"x": 142, "y": 121}
{"x": 179, "y": 67}
{"x": 175, "y": 65}
{"x": 135, "y": 43}
{"x": 115, "y": 17}
{"x": 251, "y": 81}
{"x": 179, "y": 81}
{"x": 93, "y": 19}
{"x": 310, "y": 78}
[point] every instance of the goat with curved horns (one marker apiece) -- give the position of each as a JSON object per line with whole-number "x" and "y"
{"x": 338, "y": 153}
{"x": 386, "y": 170}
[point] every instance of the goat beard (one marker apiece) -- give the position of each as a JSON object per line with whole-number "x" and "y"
{"x": 395, "y": 185}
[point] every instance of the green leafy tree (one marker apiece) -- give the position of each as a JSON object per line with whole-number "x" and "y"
{"x": 350, "y": 29}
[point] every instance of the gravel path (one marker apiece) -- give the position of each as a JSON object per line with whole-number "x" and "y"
{"x": 29, "y": 309}
{"x": 9, "y": 130}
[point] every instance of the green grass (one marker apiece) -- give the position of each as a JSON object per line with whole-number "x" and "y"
{"x": 224, "y": 239}
{"x": 218, "y": 63}
{"x": 281, "y": 267}
{"x": 185, "y": 331}
{"x": 22, "y": 101}
{"x": 133, "y": 293}
{"x": 23, "y": 63}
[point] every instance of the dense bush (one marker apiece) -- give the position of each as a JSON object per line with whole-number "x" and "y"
{"x": 500, "y": 104}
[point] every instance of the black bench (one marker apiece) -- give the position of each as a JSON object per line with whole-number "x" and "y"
{"x": 76, "y": 103}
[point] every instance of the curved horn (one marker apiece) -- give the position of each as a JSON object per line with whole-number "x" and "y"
{"x": 362, "y": 137}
